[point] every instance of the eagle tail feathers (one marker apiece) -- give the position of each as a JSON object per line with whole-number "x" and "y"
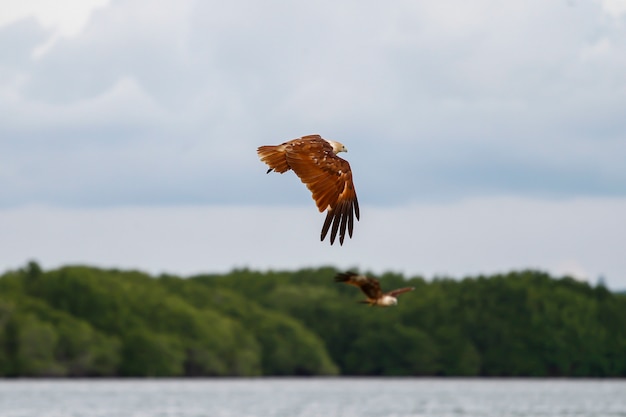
{"x": 274, "y": 157}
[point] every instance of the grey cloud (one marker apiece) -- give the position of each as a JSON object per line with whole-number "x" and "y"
{"x": 17, "y": 40}
{"x": 436, "y": 100}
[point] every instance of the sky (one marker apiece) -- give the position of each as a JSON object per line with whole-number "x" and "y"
{"x": 484, "y": 136}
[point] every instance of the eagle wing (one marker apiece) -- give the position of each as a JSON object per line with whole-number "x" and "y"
{"x": 329, "y": 178}
{"x": 369, "y": 286}
{"x": 399, "y": 291}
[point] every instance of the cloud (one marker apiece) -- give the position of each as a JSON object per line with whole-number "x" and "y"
{"x": 615, "y": 8}
{"x": 64, "y": 18}
{"x": 483, "y": 136}
{"x": 139, "y": 102}
{"x": 68, "y": 17}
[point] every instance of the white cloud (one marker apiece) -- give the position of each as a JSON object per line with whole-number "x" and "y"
{"x": 67, "y": 17}
{"x": 615, "y": 8}
{"x": 64, "y": 18}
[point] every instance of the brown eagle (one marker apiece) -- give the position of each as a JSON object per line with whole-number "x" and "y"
{"x": 328, "y": 177}
{"x": 371, "y": 289}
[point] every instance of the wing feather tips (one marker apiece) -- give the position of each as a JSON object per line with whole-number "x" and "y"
{"x": 327, "y": 223}
{"x": 341, "y": 277}
{"x": 353, "y": 210}
{"x": 401, "y": 291}
{"x": 345, "y": 276}
{"x": 340, "y": 219}
{"x": 336, "y": 220}
{"x": 350, "y": 225}
{"x": 344, "y": 222}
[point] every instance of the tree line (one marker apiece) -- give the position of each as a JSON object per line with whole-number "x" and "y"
{"x": 80, "y": 321}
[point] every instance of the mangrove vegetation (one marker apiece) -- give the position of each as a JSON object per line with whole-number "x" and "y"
{"x": 80, "y": 321}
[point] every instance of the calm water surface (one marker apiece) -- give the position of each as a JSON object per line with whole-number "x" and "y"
{"x": 343, "y": 397}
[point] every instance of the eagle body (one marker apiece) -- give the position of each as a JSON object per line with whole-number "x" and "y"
{"x": 371, "y": 288}
{"x": 329, "y": 178}
{"x": 384, "y": 301}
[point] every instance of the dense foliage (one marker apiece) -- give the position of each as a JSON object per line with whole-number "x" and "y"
{"x": 82, "y": 321}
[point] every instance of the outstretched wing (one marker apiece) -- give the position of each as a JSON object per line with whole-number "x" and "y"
{"x": 329, "y": 178}
{"x": 399, "y": 291}
{"x": 369, "y": 286}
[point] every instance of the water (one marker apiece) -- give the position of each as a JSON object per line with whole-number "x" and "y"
{"x": 333, "y": 397}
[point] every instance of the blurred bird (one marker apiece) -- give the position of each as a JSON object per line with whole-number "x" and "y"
{"x": 371, "y": 289}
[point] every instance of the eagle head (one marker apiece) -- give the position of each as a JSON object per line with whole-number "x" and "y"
{"x": 337, "y": 146}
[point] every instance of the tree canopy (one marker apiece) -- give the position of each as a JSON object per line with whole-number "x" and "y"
{"x": 85, "y": 321}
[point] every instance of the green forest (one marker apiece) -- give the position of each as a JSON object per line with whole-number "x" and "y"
{"x": 80, "y": 321}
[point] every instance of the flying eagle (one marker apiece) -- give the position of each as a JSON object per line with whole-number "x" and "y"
{"x": 371, "y": 289}
{"x": 328, "y": 177}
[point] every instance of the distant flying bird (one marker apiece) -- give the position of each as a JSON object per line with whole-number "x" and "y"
{"x": 371, "y": 289}
{"x": 328, "y": 177}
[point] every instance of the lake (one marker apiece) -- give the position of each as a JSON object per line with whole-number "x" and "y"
{"x": 323, "y": 397}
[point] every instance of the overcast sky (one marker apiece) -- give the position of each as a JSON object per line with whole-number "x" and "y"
{"x": 484, "y": 136}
